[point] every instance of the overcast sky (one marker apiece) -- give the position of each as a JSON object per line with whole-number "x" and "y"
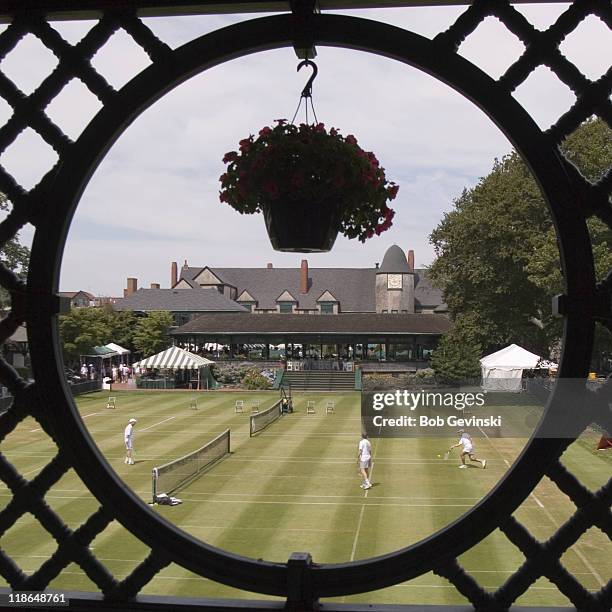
{"x": 154, "y": 198}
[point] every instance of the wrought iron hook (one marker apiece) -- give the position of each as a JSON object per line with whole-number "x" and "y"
{"x": 307, "y": 91}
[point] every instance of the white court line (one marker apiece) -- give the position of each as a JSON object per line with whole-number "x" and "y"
{"x": 274, "y": 459}
{"x": 155, "y": 424}
{"x": 83, "y": 417}
{"x": 301, "y": 495}
{"x": 294, "y": 503}
{"x": 353, "y": 550}
{"x": 359, "y": 523}
{"x": 552, "y": 519}
{"x": 325, "y": 496}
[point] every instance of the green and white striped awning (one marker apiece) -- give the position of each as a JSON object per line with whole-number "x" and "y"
{"x": 174, "y": 358}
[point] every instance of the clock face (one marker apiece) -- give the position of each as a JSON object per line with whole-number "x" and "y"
{"x": 394, "y": 281}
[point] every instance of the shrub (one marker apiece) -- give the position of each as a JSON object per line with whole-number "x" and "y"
{"x": 229, "y": 374}
{"x": 254, "y": 379}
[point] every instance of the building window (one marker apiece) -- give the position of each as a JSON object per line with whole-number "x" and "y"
{"x": 285, "y": 307}
{"x": 220, "y": 288}
{"x": 181, "y": 318}
{"x": 327, "y": 308}
{"x": 385, "y": 311}
{"x": 249, "y": 307}
{"x": 394, "y": 312}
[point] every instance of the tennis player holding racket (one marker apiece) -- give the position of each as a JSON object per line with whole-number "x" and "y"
{"x": 468, "y": 449}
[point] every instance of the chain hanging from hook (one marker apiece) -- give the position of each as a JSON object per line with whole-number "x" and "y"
{"x": 307, "y": 91}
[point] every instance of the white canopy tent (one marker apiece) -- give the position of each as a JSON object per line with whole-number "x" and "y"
{"x": 174, "y": 358}
{"x": 118, "y": 350}
{"x": 503, "y": 370}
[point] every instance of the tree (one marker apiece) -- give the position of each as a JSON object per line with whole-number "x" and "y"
{"x": 151, "y": 333}
{"x": 81, "y": 330}
{"x": 456, "y": 358}
{"x": 497, "y": 258}
{"x": 14, "y": 256}
{"x": 122, "y": 324}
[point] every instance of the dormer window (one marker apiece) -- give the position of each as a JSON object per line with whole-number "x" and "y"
{"x": 327, "y": 303}
{"x": 286, "y": 302}
{"x": 327, "y": 307}
{"x": 246, "y": 300}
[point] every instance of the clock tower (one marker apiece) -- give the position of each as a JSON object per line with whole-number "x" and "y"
{"x": 395, "y": 283}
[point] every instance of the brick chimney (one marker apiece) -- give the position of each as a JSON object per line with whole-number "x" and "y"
{"x": 304, "y": 276}
{"x": 173, "y": 274}
{"x": 269, "y": 266}
{"x": 154, "y": 285}
{"x": 132, "y": 286}
{"x": 411, "y": 260}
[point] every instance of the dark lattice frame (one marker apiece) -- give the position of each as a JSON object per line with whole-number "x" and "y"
{"x": 50, "y": 207}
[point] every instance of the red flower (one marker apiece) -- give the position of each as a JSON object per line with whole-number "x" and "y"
{"x": 223, "y": 196}
{"x": 351, "y": 139}
{"x": 392, "y": 191}
{"x": 271, "y": 188}
{"x": 245, "y": 144}
{"x": 265, "y": 131}
{"x": 229, "y": 157}
{"x": 320, "y": 128}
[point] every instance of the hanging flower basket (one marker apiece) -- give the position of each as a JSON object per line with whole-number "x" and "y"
{"x": 310, "y": 184}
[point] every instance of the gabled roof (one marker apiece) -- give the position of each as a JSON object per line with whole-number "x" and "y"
{"x": 352, "y": 287}
{"x": 326, "y": 296}
{"x": 73, "y": 294}
{"x": 245, "y": 296}
{"x": 285, "y": 296}
{"x": 178, "y": 300}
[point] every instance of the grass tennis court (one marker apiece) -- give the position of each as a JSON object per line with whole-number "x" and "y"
{"x": 295, "y": 487}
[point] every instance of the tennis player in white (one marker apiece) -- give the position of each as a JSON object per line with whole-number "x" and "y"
{"x": 128, "y": 436}
{"x": 364, "y": 458}
{"x": 468, "y": 449}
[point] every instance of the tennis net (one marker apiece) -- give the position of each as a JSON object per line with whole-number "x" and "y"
{"x": 171, "y": 476}
{"x": 263, "y": 419}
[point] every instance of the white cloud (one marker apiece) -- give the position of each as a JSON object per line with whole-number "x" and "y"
{"x": 154, "y": 198}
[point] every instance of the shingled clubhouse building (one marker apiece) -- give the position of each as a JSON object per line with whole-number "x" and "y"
{"x": 387, "y": 314}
